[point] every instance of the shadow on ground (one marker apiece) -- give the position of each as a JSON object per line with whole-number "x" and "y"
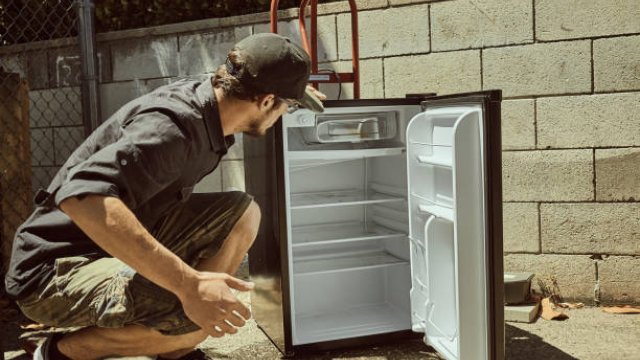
{"x": 520, "y": 344}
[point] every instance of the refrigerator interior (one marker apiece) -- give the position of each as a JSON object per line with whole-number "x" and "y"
{"x": 372, "y": 222}
{"x": 346, "y": 180}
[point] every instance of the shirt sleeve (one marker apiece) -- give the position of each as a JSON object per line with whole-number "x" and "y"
{"x": 147, "y": 158}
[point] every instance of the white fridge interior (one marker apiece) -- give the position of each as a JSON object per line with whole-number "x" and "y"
{"x": 374, "y": 199}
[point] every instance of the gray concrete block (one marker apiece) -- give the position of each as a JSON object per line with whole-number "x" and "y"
{"x": 589, "y": 121}
{"x": 66, "y": 140}
{"x": 371, "y": 80}
{"x": 327, "y": 40}
{"x": 42, "y": 153}
{"x": 538, "y": 69}
{"x": 210, "y": 183}
{"x": 65, "y": 66}
{"x": 114, "y": 95}
{"x": 521, "y": 313}
{"x": 550, "y": 175}
{"x": 574, "y": 276}
{"x": 595, "y": 228}
{"x": 145, "y": 58}
{"x": 37, "y": 70}
{"x": 381, "y": 33}
{"x": 619, "y": 278}
{"x": 41, "y": 176}
{"x": 236, "y": 152}
{"x": 518, "y": 124}
{"x": 616, "y": 63}
{"x": 476, "y": 24}
{"x": 55, "y": 107}
{"x": 204, "y": 53}
{"x": 14, "y": 63}
{"x": 618, "y": 174}
{"x": 233, "y": 175}
{"x": 520, "y": 226}
{"x": 442, "y": 73}
{"x": 557, "y": 20}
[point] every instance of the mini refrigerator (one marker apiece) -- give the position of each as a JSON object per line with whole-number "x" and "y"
{"x": 381, "y": 219}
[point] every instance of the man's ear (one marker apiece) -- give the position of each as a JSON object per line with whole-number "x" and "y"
{"x": 266, "y": 101}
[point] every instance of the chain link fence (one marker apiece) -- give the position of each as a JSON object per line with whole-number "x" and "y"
{"x": 41, "y": 120}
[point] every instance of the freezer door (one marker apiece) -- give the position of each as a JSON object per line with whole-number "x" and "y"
{"x": 454, "y": 182}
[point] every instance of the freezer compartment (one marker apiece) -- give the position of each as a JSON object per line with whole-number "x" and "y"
{"x": 351, "y": 299}
{"x": 352, "y": 128}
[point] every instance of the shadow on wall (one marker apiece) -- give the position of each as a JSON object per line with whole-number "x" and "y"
{"x": 520, "y": 344}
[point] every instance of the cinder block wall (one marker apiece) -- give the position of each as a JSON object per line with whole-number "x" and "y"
{"x": 570, "y": 75}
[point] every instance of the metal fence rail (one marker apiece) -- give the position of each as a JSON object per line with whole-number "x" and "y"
{"x": 41, "y": 117}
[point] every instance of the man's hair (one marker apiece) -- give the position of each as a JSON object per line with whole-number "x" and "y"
{"x": 229, "y": 84}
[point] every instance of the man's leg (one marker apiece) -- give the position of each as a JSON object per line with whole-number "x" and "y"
{"x": 135, "y": 340}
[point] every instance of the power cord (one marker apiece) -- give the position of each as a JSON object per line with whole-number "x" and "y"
{"x": 331, "y": 71}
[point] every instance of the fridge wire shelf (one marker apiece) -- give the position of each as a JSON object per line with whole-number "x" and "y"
{"x": 346, "y": 262}
{"x": 314, "y": 200}
{"x": 338, "y": 233}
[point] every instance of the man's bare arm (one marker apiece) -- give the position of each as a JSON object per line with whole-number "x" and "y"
{"x": 205, "y": 296}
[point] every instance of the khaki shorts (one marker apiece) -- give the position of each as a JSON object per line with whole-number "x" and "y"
{"x": 105, "y": 292}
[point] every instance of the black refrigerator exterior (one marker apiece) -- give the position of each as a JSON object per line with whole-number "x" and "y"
{"x": 434, "y": 139}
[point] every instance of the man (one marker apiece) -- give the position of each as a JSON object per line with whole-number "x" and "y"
{"x": 118, "y": 245}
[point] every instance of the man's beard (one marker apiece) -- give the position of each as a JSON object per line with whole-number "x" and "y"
{"x": 255, "y": 129}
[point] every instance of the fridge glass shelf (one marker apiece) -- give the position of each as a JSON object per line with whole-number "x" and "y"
{"x": 361, "y": 321}
{"x": 329, "y": 155}
{"x": 313, "y": 200}
{"x": 306, "y": 236}
{"x": 341, "y": 262}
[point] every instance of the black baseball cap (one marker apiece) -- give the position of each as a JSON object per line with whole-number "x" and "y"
{"x": 273, "y": 64}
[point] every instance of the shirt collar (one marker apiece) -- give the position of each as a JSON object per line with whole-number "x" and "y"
{"x": 218, "y": 142}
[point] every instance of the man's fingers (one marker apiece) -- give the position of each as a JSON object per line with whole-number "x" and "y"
{"x": 241, "y": 309}
{"x": 239, "y": 284}
{"x": 236, "y": 319}
{"x": 226, "y": 328}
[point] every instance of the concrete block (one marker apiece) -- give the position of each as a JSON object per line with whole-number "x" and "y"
{"x": 618, "y": 174}
{"x": 65, "y": 65}
{"x": 327, "y": 38}
{"x": 371, "y": 80}
{"x": 616, "y": 63}
{"x": 539, "y": 69}
{"x": 521, "y": 313}
{"x": 520, "y": 226}
{"x": 145, "y": 58}
{"x": 55, "y": 107}
{"x": 518, "y": 124}
{"x": 387, "y": 32}
{"x": 574, "y": 276}
{"x": 232, "y": 175}
{"x": 42, "y": 147}
{"x": 14, "y": 64}
{"x": 343, "y": 6}
{"x": 555, "y": 175}
{"x": 41, "y": 177}
{"x": 210, "y": 183}
{"x": 204, "y": 53}
{"x": 37, "y": 70}
{"x": 443, "y": 73}
{"x": 619, "y": 278}
{"x": 589, "y": 121}
{"x": 557, "y": 20}
{"x": 468, "y": 24}
{"x": 236, "y": 152}
{"x": 66, "y": 140}
{"x": 596, "y": 228}
{"x": 114, "y": 95}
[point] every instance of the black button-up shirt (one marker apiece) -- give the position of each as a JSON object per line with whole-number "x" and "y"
{"x": 150, "y": 154}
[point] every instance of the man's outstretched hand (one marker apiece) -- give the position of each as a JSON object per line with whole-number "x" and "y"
{"x": 209, "y": 302}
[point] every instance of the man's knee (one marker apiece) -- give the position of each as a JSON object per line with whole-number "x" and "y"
{"x": 250, "y": 222}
